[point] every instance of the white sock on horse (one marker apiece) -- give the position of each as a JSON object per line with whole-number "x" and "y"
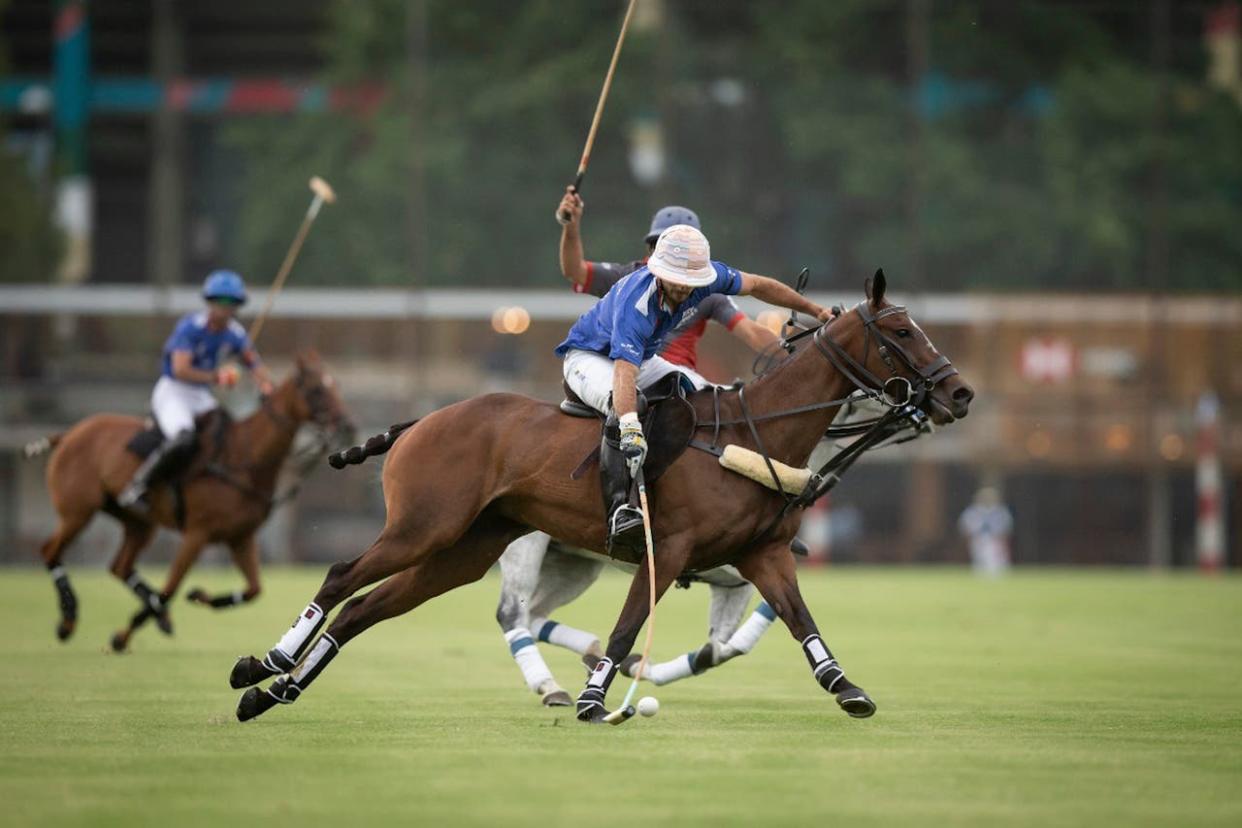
{"x": 289, "y": 649}
{"x": 562, "y": 635}
{"x": 750, "y": 632}
{"x": 667, "y": 671}
{"x": 529, "y": 660}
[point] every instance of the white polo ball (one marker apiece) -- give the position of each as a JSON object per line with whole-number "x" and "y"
{"x": 648, "y": 706}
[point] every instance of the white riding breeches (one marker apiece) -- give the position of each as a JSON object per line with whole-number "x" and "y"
{"x": 176, "y": 404}
{"x": 589, "y": 375}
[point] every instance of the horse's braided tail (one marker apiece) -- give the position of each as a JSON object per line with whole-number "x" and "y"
{"x": 377, "y": 445}
{"x": 41, "y": 446}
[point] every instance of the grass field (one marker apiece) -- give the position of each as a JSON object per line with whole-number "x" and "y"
{"x": 1098, "y": 698}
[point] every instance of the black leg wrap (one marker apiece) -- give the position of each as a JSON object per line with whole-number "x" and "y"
{"x": 229, "y": 599}
{"x": 68, "y": 601}
{"x": 591, "y": 700}
{"x": 146, "y": 595}
{"x": 823, "y": 666}
{"x": 277, "y": 662}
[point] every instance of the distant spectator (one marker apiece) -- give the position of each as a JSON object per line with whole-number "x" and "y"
{"x": 987, "y": 525}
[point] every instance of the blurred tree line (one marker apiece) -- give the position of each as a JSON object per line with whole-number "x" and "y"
{"x": 958, "y": 144}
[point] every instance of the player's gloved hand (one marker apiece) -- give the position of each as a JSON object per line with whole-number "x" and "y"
{"x": 569, "y": 211}
{"x": 633, "y": 443}
{"x": 227, "y": 376}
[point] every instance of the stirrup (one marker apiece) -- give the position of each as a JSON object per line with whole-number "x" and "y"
{"x": 133, "y": 496}
{"x": 625, "y": 530}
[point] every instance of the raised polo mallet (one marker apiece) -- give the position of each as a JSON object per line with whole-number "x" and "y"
{"x": 323, "y": 193}
{"x": 626, "y": 710}
{"x": 562, "y": 216}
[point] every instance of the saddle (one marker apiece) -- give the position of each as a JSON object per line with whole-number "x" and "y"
{"x": 210, "y": 429}
{"x": 668, "y": 420}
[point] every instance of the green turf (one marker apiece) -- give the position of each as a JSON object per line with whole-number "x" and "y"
{"x": 1088, "y": 698}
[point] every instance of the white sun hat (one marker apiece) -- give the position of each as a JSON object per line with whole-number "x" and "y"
{"x": 683, "y": 256}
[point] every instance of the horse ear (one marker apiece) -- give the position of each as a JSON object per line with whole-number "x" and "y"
{"x": 876, "y": 286}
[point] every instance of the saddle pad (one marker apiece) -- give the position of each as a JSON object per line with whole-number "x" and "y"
{"x": 146, "y": 441}
{"x": 750, "y": 464}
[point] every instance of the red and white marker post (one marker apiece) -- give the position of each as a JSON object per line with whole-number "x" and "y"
{"x": 1210, "y": 529}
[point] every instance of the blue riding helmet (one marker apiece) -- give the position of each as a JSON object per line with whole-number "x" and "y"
{"x": 224, "y": 284}
{"x": 666, "y": 217}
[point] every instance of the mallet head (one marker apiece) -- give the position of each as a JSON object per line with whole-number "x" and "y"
{"x": 323, "y": 189}
{"x": 616, "y": 717}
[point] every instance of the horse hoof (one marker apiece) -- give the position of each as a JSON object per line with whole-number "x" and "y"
{"x": 557, "y": 698}
{"x": 629, "y": 665}
{"x": 248, "y": 671}
{"x": 856, "y": 703}
{"x": 596, "y": 715}
{"x": 198, "y": 596}
{"x": 254, "y": 702}
{"x": 119, "y": 642}
{"x": 589, "y": 660}
{"x": 164, "y": 623}
{"x": 64, "y": 630}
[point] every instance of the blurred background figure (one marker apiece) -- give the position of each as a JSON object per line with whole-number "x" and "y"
{"x": 987, "y": 524}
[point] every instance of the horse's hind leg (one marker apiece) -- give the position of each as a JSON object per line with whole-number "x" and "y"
{"x": 466, "y": 561}
{"x": 520, "y": 566}
{"x": 137, "y": 536}
{"x": 52, "y": 551}
{"x": 563, "y": 577}
{"x": 771, "y": 569}
{"x": 246, "y": 558}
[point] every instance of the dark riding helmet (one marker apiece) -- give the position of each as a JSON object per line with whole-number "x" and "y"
{"x": 224, "y": 285}
{"x": 666, "y": 217}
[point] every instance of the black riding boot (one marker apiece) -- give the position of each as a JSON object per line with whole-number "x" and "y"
{"x": 157, "y": 465}
{"x": 625, "y": 521}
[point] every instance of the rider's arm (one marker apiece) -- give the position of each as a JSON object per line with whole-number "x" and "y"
{"x": 753, "y": 334}
{"x": 624, "y": 393}
{"x": 777, "y": 293}
{"x": 251, "y": 358}
{"x": 184, "y": 370}
{"x": 574, "y": 266}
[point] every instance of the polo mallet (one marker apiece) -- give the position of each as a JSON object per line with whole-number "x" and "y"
{"x": 564, "y": 217}
{"x": 323, "y": 193}
{"x": 626, "y": 710}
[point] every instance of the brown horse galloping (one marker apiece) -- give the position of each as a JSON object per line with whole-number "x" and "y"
{"x": 226, "y": 493}
{"x": 468, "y": 479}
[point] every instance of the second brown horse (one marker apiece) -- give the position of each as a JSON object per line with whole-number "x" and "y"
{"x": 226, "y": 503}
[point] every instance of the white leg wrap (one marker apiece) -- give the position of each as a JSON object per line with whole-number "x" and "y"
{"x": 669, "y": 671}
{"x": 292, "y": 644}
{"x": 580, "y": 641}
{"x": 324, "y": 648}
{"x": 529, "y": 661}
{"x": 748, "y": 635}
{"x": 823, "y": 666}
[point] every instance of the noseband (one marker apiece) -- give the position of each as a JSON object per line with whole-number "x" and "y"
{"x": 897, "y": 389}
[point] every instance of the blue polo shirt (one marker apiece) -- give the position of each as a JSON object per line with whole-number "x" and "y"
{"x": 207, "y": 348}
{"x": 630, "y": 322}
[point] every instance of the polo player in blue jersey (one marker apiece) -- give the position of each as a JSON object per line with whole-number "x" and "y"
{"x": 612, "y": 350}
{"x": 193, "y": 362}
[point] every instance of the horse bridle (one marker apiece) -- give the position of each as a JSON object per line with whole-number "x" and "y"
{"x": 897, "y": 389}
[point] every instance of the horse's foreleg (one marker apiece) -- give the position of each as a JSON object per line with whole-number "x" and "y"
{"x": 519, "y": 576}
{"x": 669, "y": 563}
{"x": 466, "y": 561}
{"x": 246, "y": 558}
{"x": 727, "y": 637}
{"x": 771, "y": 569}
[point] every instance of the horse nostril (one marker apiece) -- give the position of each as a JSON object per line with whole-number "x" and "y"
{"x": 963, "y": 394}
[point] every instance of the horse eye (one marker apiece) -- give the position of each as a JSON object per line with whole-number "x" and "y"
{"x": 904, "y": 333}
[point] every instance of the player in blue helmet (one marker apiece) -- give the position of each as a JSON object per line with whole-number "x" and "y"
{"x": 193, "y": 361}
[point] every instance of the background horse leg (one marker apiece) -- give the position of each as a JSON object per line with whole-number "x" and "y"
{"x": 466, "y": 561}
{"x": 562, "y": 578}
{"x": 52, "y": 552}
{"x": 771, "y": 569}
{"x": 519, "y": 575}
{"x": 670, "y": 561}
{"x": 137, "y": 536}
{"x": 245, "y": 554}
{"x": 728, "y": 605}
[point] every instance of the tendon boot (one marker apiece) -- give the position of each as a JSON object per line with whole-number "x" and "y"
{"x": 626, "y": 538}
{"x": 158, "y": 464}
